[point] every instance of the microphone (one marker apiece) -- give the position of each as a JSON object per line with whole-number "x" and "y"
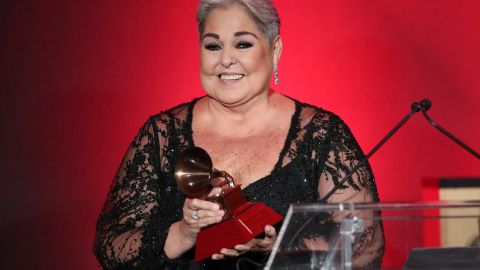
{"x": 424, "y": 105}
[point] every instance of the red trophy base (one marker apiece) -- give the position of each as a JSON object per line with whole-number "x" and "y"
{"x": 248, "y": 221}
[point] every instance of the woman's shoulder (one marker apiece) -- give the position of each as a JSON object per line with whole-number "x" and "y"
{"x": 312, "y": 115}
{"x": 179, "y": 114}
{"x": 177, "y": 111}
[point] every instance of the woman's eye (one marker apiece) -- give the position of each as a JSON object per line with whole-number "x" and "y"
{"x": 244, "y": 45}
{"x": 212, "y": 47}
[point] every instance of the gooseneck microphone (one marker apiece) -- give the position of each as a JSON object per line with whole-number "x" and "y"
{"x": 424, "y": 105}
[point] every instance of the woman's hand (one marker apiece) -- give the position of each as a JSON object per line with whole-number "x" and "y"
{"x": 197, "y": 214}
{"x": 254, "y": 245}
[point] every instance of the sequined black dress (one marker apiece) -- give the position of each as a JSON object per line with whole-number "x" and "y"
{"x": 144, "y": 200}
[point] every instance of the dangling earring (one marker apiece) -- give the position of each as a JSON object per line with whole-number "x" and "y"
{"x": 275, "y": 69}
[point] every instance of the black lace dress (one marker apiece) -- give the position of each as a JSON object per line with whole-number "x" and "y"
{"x": 144, "y": 200}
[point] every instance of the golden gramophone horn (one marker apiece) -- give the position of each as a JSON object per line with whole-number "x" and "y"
{"x": 193, "y": 170}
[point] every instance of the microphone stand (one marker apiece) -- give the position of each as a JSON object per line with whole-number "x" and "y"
{"x": 422, "y": 106}
{"x": 415, "y": 107}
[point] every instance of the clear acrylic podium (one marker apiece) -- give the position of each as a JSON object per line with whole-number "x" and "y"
{"x": 424, "y": 235}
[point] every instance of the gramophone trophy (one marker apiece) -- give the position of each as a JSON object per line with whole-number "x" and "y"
{"x": 242, "y": 221}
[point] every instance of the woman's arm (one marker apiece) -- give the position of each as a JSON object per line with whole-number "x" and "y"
{"x": 127, "y": 235}
{"x": 131, "y": 233}
{"x": 343, "y": 155}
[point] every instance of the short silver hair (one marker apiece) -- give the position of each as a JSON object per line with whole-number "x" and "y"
{"x": 263, "y": 13}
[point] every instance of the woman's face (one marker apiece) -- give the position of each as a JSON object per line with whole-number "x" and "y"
{"x": 236, "y": 59}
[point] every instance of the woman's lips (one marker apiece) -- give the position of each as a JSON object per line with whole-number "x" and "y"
{"x": 230, "y": 77}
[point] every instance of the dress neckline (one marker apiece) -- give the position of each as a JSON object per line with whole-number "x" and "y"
{"x": 292, "y": 131}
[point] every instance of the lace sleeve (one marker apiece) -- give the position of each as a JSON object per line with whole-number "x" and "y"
{"x": 128, "y": 237}
{"x": 343, "y": 155}
{"x": 335, "y": 154}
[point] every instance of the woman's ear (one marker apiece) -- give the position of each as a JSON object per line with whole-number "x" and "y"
{"x": 277, "y": 49}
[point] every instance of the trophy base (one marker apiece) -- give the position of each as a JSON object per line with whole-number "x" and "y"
{"x": 241, "y": 228}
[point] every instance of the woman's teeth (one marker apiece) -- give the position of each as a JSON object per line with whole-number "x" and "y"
{"x": 231, "y": 77}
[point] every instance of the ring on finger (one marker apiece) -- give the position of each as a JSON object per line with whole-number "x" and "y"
{"x": 195, "y": 215}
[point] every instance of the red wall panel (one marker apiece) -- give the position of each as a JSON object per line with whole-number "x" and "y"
{"x": 79, "y": 78}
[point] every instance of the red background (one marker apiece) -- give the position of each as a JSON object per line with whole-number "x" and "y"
{"x": 78, "y": 79}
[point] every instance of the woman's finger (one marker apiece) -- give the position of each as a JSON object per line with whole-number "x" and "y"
{"x": 215, "y": 191}
{"x": 242, "y": 248}
{"x": 208, "y": 221}
{"x": 203, "y": 219}
{"x": 270, "y": 232}
{"x": 270, "y": 237}
{"x": 196, "y": 204}
{"x": 265, "y": 244}
{"x": 202, "y": 214}
{"x": 217, "y": 256}
{"x": 230, "y": 252}
{"x": 208, "y": 213}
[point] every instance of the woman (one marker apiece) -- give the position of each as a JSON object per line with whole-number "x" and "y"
{"x": 268, "y": 142}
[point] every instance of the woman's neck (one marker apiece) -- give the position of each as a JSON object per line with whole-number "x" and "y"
{"x": 242, "y": 120}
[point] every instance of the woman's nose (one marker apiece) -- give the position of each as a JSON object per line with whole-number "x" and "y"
{"x": 228, "y": 58}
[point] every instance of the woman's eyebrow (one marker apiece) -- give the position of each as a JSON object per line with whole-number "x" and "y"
{"x": 237, "y": 34}
{"x": 242, "y": 33}
{"x": 212, "y": 35}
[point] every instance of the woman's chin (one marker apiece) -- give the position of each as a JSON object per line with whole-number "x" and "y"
{"x": 231, "y": 95}
{"x": 229, "y": 100}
